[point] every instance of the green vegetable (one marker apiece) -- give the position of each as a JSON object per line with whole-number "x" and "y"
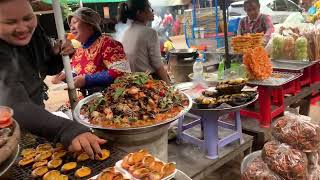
{"x": 95, "y": 105}
{"x": 119, "y": 92}
{"x": 133, "y": 119}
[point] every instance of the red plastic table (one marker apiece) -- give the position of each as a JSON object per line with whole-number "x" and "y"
{"x": 267, "y": 109}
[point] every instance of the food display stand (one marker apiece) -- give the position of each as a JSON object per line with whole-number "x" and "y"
{"x": 266, "y": 109}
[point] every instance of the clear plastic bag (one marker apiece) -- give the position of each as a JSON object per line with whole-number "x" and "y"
{"x": 298, "y": 132}
{"x": 289, "y": 163}
{"x": 288, "y": 48}
{"x": 277, "y": 46}
{"x": 259, "y": 170}
{"x": 313, "y": 166}
{"x": 301, "y": 49}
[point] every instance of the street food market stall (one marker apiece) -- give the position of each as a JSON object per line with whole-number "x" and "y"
{"x": 135, "y": 113}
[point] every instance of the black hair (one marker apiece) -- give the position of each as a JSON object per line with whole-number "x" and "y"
{"x": 128, "y": 10}
{"x": 247, "y": 2}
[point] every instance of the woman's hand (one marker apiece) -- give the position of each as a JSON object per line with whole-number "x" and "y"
{"x": 87, "y": 142}
{"x": 64, "y": 48}
{"x": 79, "y": 81}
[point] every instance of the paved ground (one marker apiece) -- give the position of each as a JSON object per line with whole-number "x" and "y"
{"x": 230, "y": 171}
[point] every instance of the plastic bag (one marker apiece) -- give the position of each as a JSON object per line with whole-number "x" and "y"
{"x": 259, "y": 170}
{"x": 301, "y": 49}
{"x": 297, "y": 132}
{"x": 288, "y": 48}
{"x": 277, "y": 46}
{"x": 291, "y": 164}
{"x": 313, "y": 166}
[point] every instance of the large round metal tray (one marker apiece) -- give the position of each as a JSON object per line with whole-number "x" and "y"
{"x": 80, "y": 118}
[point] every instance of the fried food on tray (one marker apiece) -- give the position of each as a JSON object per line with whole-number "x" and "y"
{"x": 143, "y": 165}
{"x": 43, "y": 156}
{"x": 28, "y": 152}
{"x": 39, "y": 164}
{"x": 68, "y": 166}
{"x": 59, "y": 154}
{"x": 241, "y": 44}
{"x": 83, "y": 157}
{"x": 135, "y": 100}
{"x": 105, "y": 155}
{"x": 54, "y": 163}
{"x": 54, "y": 174}
{"x": 83, "y": 172}
{"x": 25, "y": 161}
{"x": 39, "y": 172}
{"x": 168, "y": 169}
{"x": 44, "y": 148}
{"x": 148, "y": 160}
{"x": 111, "y": 174}
{"x": 157, "y": 166}
{"x": 141, "y": 173}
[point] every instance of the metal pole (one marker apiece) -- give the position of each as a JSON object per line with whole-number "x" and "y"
{"x": 66, "y": 60}
{"x": 194, "y": 18}
{"x": 217, "y": 23}
{"x": 224, "y": 9}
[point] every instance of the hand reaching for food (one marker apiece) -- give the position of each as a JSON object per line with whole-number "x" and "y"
{"x": 87, "y": 142}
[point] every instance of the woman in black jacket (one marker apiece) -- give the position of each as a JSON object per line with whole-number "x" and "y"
{"x": 26, "y": 58}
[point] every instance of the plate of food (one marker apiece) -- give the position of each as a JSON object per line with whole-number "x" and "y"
{"x": 226, "y": 95}
{"x": 139, "y": 165}
{"x": 133, "y": 101}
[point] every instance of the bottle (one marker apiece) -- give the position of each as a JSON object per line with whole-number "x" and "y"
{"x": 198, "y": 70}
{"x": 221, "y": 70}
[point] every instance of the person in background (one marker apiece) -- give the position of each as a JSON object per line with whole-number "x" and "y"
{"x": 157, "y": 22}
{"x": 26, "y": 58}
{"x": 141, "y": 43}
{"x": 168, "y": 22}
{"x": 101, "y": 59}
{"x": 255, "y": 22}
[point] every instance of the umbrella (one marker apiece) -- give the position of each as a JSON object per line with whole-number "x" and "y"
{"x": 66, "y": 60}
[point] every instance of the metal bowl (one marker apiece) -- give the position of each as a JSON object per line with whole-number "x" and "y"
{"x": 80, "y": 118}
{"x": 248, "y": 159}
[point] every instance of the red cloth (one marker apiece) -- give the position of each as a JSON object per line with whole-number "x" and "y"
{"x": 176, "y": 28}
{"x": 104, "y": 54}
{"x": 168, "y": 20}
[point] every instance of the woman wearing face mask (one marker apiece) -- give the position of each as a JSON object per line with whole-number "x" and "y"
{"x": 255, "y": 22}
{"x": 101, "y": 59}
{"x": 140, "y": 42}
{"x": 26, "y": 58}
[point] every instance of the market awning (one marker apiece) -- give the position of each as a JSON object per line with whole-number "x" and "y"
{"x": 86, "y": 1}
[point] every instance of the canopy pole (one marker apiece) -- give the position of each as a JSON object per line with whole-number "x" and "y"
{"x": 66, "y": 60}
{"x": 224, "y": 10}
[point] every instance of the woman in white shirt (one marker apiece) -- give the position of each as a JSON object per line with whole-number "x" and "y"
{"x": 140, "y": 42}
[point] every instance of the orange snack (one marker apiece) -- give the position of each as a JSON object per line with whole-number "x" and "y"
{"x": 258, "y": 63}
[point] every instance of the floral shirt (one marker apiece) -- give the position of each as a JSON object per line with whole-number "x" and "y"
{"x": 262, "y": 24}
{"x": 101, "y": 60}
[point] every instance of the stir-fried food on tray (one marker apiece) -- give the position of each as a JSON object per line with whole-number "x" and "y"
{"x": 135, "y": 100}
